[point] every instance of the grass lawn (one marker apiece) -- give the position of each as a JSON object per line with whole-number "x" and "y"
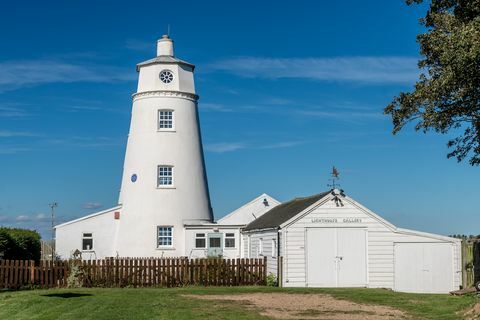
{"x": 164, "y": 303}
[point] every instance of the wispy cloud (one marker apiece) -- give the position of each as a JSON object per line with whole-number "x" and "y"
{"x": 85, "y": 142}
{"x": 11, "y": 112}
{"x": 17, "y": 74}
{"x": 354, "y": 69}
{"x": 13, "y": 149}
{"x": 139, "y": 45}
{"x": 216, "y": 107}
{"x": 92, "y": 205}
{"x": 10, "y": 134}
{"x": 342, "y": 115}
{"x": 222, "y": 147}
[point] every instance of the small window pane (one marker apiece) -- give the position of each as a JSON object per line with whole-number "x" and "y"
{"x": 165, "y": 176}
{"x": 165, "y": 237}
{"x": 214, "y": 242}
{"x": 165, "y": 119}
{"x": 87, "y": 244}
{"x": 229, "y": 242}
{"x": 230, "y": 235}
{"x": 200, "y": 243}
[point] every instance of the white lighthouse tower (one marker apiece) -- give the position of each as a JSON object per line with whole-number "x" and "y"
{"x": 164, "y": 183}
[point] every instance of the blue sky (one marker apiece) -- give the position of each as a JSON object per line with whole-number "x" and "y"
{"x": 286, "y": 91}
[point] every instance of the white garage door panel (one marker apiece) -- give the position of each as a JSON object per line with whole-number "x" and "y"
{"x": 352, "y": 266}
{"x": 424, "y": 267}
{"x": 336, "y": 257}
{"x": 320, "y": 262}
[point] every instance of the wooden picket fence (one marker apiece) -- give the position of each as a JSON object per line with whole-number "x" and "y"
{"x": 134, "y": 272}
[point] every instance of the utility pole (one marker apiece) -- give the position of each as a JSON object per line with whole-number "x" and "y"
{"x": 53, "y": 206}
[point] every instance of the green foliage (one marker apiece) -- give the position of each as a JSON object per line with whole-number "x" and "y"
{"x": 20, "y": 244}
{"x": 447, "y": 95}
{"x": 75, "y": 276}
{"x": 271, "y": 280}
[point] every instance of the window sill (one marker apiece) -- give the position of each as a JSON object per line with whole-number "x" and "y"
{"x": 168, "y": 187}
{"x": 165, "y": 248}
{"x": 88, "y": 250}
{"x": 167, "y": 130}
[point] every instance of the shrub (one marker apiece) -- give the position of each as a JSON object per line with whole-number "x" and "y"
{"x": 271, "y": 280}
{"x": 20, "y": 244}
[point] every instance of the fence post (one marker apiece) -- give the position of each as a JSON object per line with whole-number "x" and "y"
{"x": 280, "y": 271}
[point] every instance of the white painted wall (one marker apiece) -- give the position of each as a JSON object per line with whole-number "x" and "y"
{"x": 229, "y": 253}
{"x": 249, "y": 211}
{"x": 381, "y": 237}
{"x": 102, "y": 225}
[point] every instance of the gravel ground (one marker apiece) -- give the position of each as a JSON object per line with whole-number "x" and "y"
{"x": 308, "y": 306}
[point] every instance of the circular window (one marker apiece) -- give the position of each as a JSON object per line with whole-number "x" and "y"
{"x": 166, "y": 76}
{"x": 134, "y": 177}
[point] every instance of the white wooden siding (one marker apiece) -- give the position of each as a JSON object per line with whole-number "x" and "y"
{"x": 267, "y": 237}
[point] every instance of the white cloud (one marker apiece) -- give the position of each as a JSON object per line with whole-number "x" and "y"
{"x": 9, "y": 134}
{"x": 343, "y": 115}
{"x": 17, "y": 74}
{"x": 92, "y": 205}
{"x": 355, "y": 69}
{"x": 23, "y": 218}
{"x": 139, "y": 45}
{"x": 223, "y": 147}
{"x": 214, "y": 107}
{"x": 12, "y": 149}
{"x": 9, "y": 111}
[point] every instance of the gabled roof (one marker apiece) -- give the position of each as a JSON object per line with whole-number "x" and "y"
{"x": 89, "y": 216}
{"x": 239, "y": 210}
{"x": 284, "y": 212}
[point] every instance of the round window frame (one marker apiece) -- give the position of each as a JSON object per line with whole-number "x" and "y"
{"x": 170, "y": 73}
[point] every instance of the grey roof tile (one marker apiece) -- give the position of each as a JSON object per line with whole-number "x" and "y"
{"x": 283, "y": 212}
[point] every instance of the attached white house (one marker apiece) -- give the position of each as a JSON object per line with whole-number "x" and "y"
{"x": 326, "y": 240}
{"x": 95, "y": 235}
{"x": 330, "y": 240}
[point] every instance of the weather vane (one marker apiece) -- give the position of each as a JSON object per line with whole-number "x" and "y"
{"x": 334, "y": 179}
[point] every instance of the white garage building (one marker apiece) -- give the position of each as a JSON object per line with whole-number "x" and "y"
{"x": 330, "y": 240}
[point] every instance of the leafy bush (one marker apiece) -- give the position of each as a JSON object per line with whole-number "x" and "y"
{"x": 271, "y": 280}
{"x": 20, "y": 244}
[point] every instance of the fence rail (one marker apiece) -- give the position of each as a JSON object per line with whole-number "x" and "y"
{"x": 135, "y": 272}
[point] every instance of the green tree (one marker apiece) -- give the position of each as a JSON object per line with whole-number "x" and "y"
{"x": 446, "y": 98}
{"x": 20, "y": 244}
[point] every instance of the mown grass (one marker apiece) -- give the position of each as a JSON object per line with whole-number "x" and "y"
{"x": 164, "y": 303}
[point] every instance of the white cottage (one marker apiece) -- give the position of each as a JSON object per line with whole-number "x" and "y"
{"x": 330, "y": 240}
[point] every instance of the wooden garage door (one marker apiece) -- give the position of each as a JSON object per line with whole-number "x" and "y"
{"x": 424, "y": 267}
{"x": 336, "y": 257}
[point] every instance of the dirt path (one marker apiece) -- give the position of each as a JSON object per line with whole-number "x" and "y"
{"x": 308, "y": 306}
{"x": 473, "y": 313}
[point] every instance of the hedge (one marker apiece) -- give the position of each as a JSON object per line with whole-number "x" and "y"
{"x": 19, "y": 244}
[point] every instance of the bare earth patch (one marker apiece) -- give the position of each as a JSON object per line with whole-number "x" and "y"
{"x": 308, "y": 306}
{"x": 473, "y": 313}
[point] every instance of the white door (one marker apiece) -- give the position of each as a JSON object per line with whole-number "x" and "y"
{"x": 424, "y": 267}
{"x": 321, "y": 262}
{"x": 336, "y": 257}
{"x": 352, "y": 258}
